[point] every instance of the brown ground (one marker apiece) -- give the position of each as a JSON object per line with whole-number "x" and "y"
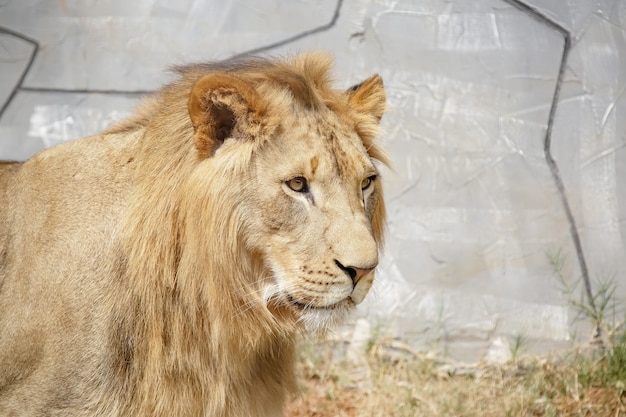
{"x": 412, "y": 386}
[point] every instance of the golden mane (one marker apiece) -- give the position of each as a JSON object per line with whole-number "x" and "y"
{"x": 162, "y": 236}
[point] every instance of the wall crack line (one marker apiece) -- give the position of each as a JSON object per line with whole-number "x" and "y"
{"x": 297, "y": 37}
{"x": 31, "y": 59}
{"x": 547, "y": 143}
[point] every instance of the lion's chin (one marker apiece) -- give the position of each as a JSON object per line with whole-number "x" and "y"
{"x": 311, "y": 319}
{"x": 320, "y": 321}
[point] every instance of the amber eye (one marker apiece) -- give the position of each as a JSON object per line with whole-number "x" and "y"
{"x": 298, "y": 184}
{"x": 367, "y": 182}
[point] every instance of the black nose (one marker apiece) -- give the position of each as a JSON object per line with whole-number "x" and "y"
{"x": 355, "y": 274}
{"x": 348, "y": 270}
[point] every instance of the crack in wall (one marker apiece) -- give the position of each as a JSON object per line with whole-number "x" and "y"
{"x": 31, "y": 59}
{"x": 319, "y": 29}
{"x": 554, "y": 169}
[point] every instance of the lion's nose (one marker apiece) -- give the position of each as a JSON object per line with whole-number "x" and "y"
{"x": 354, "y": 273}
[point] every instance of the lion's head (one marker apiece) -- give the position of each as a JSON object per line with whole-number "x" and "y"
{"x": 293, "y": 162}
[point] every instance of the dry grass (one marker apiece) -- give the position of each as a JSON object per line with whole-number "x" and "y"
{"x": 391, "y": 380}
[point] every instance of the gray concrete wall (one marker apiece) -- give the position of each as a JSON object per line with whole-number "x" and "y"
{"x": 474, "y": 209}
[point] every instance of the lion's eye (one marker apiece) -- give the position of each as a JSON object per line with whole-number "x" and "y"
{"x": 298, "y": 184}
{"x": 367, "y": 182}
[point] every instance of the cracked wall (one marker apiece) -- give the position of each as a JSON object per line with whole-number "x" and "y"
{"x": 474, "y": 208}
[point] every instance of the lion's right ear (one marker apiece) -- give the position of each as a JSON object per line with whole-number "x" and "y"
{"x": 222, "y": 106}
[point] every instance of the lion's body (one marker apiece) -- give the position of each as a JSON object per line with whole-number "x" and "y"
{"x": 161, "y": 268}
{"x": 59, "y": 236}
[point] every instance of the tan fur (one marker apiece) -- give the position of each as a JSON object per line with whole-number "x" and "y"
{"x": 163, "y": 267}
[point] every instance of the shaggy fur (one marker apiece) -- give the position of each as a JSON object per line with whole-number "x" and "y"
{"x": 163, "y": 267}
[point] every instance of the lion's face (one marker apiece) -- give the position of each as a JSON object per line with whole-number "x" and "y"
{"x": 319, "y": 191}
{"x": 309, "y": 197}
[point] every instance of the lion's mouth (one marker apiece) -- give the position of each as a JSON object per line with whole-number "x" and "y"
{"x": 311, "y": 316}
{"x": 304, "y": 306}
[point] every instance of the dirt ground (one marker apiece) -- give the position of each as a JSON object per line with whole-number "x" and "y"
{"x": 411, "y": 386}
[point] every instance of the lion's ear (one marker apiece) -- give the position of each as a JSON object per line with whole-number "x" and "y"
{"x": 222, "y": 105}
{"x": 369, "y": 97}
{"x": 368, "y": 101}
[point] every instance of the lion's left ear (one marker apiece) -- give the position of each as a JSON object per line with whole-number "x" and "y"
{"x": 369, "y": 97}
{"x": 221, "y": 106}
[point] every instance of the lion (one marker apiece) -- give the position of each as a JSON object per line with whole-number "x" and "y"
{"x": 166, "y": 266}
